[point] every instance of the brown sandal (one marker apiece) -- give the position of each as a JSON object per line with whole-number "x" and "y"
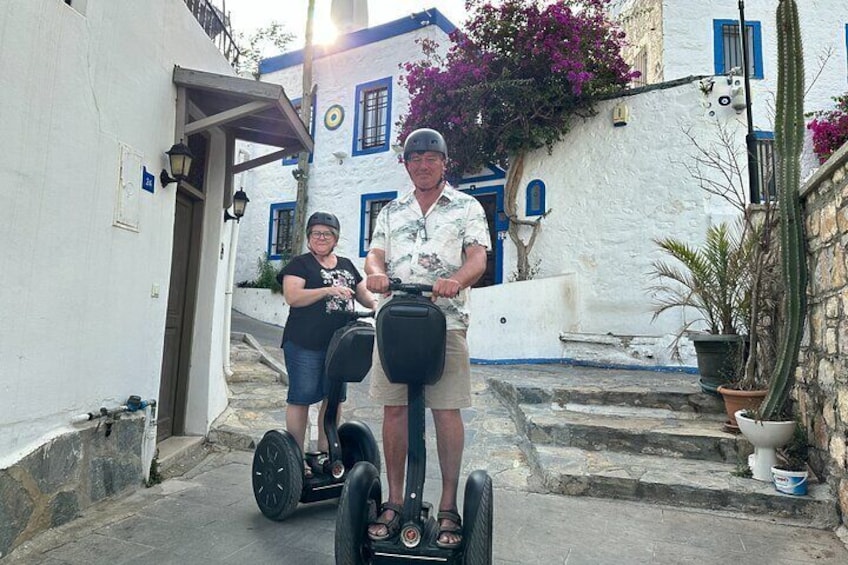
{"x": 392, "y": 524}
{"x": 455, "y": 528}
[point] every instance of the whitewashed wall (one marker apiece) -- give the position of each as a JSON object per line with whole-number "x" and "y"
{"x": 613, "y": 190}
{"x": 79, "y": 325}
{"x": 333, "y": 186}
{"x": 688, "y": 47}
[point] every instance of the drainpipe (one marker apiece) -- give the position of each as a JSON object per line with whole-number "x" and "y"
{"x": 750, "y": 138}
{"x": 228, "y": 291}
{"x": 228, "y": 298}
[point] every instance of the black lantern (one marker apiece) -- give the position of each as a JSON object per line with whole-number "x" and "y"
{"x": 180, "y": 157}
{"x": 240, "y": 201}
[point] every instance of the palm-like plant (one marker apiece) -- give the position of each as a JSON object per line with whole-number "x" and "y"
{"x": 714, "y": 279}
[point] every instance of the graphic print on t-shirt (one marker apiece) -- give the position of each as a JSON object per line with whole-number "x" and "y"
{"x": 338, "y": 277}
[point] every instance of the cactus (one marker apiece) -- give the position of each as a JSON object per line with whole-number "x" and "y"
{"x": 789, "y": 138}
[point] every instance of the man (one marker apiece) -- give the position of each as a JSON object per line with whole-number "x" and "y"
{"x": 432, "y": 235}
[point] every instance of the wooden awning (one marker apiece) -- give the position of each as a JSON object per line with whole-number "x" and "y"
{"x": 244, "y": 109}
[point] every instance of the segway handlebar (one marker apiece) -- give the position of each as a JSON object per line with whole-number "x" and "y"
{"x": 395, "y": 285}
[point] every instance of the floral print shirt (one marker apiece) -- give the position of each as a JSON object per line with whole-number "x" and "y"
{"x": 421, "y": 248}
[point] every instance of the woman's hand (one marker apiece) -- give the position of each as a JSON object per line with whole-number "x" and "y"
{"x": 339, "y": 292}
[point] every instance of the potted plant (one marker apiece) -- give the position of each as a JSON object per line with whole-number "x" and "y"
{"x": 790, "y": 473}
{"x": 714, "y": 281}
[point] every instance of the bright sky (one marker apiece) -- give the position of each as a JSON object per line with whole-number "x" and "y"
{"x": 248, "y": 15}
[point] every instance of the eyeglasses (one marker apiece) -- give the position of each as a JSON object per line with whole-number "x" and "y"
{"x": 419, "y": 159}
{"x": 321, "y": 234}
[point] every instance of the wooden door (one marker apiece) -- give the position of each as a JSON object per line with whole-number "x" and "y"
{"x": 177, "y": 346}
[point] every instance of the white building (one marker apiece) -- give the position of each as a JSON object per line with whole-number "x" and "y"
{"x": 613, "y": 190}
{"x": 669, "y": 39}
{"x": 113, "y": 284}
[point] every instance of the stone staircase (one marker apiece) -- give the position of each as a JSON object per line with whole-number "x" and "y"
{"x": 640, "y": 435}
{"x": 257, "y": 396}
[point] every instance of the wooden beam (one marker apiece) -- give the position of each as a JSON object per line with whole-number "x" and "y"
{"x": 226, "y": 84}
{"x": 223, "y": 118}
{"x": 230, "y": 157}
{"x": 290, "y": 143}
{"x": 259, "y": 161}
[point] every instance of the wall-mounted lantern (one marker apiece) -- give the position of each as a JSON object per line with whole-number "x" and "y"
{"x": 180, "y": 157}
{"x": 240, "y": 201}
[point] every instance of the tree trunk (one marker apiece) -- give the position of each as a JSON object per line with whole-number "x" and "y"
{"x": 302, "y": 175}
{"x": 513, "y": 178}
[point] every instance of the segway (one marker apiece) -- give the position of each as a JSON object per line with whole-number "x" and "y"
{"x": 279, "y": 477}
{"x": 411, "y": 333}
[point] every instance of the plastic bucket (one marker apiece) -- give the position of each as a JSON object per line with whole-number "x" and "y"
{"x": 790, "y": 482}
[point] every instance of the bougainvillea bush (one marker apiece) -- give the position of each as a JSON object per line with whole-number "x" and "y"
{"x": 512, "y": 81}
{"x": 830, "y": 128}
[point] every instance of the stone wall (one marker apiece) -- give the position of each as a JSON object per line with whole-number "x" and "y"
{"x": 55, "y": 483}
{"x": 642, "y": 21}
{"x": 822, "y": 384}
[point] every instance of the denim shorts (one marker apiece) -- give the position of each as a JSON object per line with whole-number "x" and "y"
{"x": 308, "y": 383}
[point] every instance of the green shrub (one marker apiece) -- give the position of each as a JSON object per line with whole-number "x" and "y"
{"x": 267, "y": 274}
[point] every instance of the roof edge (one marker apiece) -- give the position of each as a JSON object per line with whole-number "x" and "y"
{"x": 431, "y": 16}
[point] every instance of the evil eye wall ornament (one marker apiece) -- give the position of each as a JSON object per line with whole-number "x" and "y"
{"x": 334, "y": 117}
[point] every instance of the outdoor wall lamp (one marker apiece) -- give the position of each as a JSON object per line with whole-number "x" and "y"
{"x": 180, "y": 157}
{"x": 340, "y": 155}
{"x": 240, "y": 201}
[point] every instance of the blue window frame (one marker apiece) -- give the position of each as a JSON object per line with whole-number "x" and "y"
{"x": 846, "y": 46}
{"x": 369, "y": 208}
{"x": 372, "y": 120}
{"x": 535, "y": 198}
{"x": 281, "y": 230}
{"x": 292, "y": 159}
{"x": 727, "y": 47}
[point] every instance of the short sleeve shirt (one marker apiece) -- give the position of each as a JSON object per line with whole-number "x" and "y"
{"x": 421, "y": 248}
{"x": 312, "y": 326}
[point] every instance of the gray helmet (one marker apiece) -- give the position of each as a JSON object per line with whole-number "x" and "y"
{"x": 424, "y": 139}
{"x": 324, "y": 219}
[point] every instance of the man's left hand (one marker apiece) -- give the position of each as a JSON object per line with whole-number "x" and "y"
{"x": 447, "y": 288}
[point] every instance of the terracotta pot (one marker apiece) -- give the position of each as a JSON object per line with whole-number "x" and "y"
{"x": 735, "y": 400}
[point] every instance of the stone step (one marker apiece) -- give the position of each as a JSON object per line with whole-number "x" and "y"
{"x": 252, "y": 372}
{"x": 632, "y": 430}
{"x": 253, "y": 396}
{"x": 591, "y": 386}
{"x": 675, "y": 482}
{"x": 241, "y": 352}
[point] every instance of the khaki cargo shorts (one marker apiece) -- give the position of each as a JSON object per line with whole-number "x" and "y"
{"x": 453, "y": 390}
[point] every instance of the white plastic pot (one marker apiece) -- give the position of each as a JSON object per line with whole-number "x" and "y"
{"x": 790, "y": 482}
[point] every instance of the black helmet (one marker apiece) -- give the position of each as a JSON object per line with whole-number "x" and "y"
{"x": 324, "y": 219}
{"x": 424, "y": 139}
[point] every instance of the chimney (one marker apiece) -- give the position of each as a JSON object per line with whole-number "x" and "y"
{"x": 349, "y": 15}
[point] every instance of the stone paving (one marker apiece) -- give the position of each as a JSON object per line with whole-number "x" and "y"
{"x": 208, "y": 515}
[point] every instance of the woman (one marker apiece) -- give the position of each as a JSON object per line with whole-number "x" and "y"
{"x": 319, "y": 288}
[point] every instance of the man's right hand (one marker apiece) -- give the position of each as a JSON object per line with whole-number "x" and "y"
{"x": 377, "y": 282}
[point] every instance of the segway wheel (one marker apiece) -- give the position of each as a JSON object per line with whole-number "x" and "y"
{"x": 358, "y": 444}
{"x": 477, "y": 517}
{"x": 277, "y": 475}
{"x": 361, "y": 496}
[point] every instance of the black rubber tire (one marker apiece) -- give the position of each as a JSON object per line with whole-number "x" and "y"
{"x": 358, "y": 444}
{"x": 361, "y": 496}
{"x": 277, "y": 474}
{"x": 477, "y": 519}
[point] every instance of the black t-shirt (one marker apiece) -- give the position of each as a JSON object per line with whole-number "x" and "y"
{"x": 312, "y": 326}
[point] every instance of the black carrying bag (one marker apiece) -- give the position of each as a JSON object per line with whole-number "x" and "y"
{"x": 411, "y": 334}
{"x": 349, "y": 353}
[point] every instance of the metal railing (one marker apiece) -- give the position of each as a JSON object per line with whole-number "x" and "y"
{"x": 216, "y": 24}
